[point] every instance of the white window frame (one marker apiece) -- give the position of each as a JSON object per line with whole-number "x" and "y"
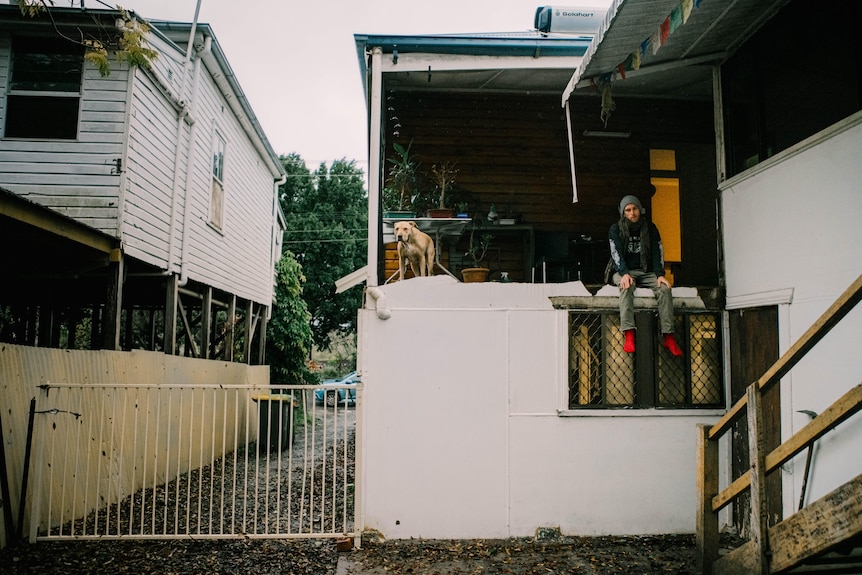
{"x": 45, "y": 92}
{"x": 217, "y": 189}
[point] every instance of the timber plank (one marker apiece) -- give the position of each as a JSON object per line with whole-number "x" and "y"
{"x": 707, "y": 485}
{"x": 832, "y": 519}
{"x": 757, "y": 459}
{"x": 849, "y": 404}
{"x": 818, "y": 330}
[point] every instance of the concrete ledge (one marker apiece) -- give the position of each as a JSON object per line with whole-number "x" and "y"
{"x": 608, "y": 297}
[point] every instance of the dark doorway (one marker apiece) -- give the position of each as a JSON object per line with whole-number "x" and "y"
{"x": 753, "y": 350}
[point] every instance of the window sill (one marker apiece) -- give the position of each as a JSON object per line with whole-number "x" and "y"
{"x": 642, "y": 412}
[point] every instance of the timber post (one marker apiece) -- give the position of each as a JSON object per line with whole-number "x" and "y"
{"x": 707, "y": 488}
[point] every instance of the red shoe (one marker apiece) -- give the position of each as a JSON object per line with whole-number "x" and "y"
{"x": 670, "y": 344}
{"x": 629, "y": 346}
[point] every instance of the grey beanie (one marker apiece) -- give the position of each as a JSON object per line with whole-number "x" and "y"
{"x": 630, "y": 200}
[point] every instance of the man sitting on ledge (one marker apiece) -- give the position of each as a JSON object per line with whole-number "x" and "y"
{"x": 638, "y": 257}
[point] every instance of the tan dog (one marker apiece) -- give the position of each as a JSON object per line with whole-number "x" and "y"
{"x": 415, "y": 247}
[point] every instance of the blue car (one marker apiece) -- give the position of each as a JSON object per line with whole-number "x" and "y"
{"x": 346, "y": 396}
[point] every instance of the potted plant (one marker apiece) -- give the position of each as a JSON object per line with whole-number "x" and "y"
{"x": 476, "y": 250}
{"x": 399, "y": 194}
{"x": 444, "y": 177}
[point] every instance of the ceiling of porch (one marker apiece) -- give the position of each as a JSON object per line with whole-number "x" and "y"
{"x": 682, "y": 67}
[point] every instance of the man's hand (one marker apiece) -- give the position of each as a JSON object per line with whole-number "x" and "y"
{"x": 663, "y": 281}
{"x": 627, "y": 281}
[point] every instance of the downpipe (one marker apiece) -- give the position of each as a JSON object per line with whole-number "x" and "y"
{"x": 382, "y": 307}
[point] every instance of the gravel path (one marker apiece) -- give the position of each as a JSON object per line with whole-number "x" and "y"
{"x": 516, "y": 556}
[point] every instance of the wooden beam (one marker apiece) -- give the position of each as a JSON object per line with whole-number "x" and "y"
{"x": 249, "y": 330}
{"x": 187, "y": 327}
{"x": 230, "y": 336}
{"x": 806, "y": 534}
{"x": 113, "y": 301}
{"x": 54, "y": 222}
{"x": 818, "y": 330}
{"x": 847, "y": 405}
{"x": 759, "y": 510}
{"x": 206, "y": 322}
{"x": 261, "y": 351}
{"x": 707, "y": 487}
{"x": 172, "y": 296}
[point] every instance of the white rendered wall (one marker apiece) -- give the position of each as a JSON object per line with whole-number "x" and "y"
{"x": 790, "y": 238}
{"x": 462, "y": 435}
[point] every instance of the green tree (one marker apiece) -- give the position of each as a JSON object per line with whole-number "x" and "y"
{"x": 326, "y": 213}
{"x": 288, "y": 333}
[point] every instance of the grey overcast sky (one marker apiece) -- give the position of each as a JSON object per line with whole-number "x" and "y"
{"x": 296, "y": 60}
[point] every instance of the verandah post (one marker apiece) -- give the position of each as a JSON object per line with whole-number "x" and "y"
{"x": 757, "y": 457}
{"x": 707, "y": 488}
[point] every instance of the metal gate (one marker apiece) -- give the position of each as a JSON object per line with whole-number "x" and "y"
{"x": 201, "y": 461}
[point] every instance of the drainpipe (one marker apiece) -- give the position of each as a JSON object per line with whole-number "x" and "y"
{"x": 187, "y": 218}
{"x": 374, "y": 137}
{"x": 276, "y": 245}
{"x": 181, "y": 119}
{"x": 382, "y": 307}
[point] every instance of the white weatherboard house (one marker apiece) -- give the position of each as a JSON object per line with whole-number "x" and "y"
{"x": 147, "y": 195}
{"x": 496, "y": 409}
{"x": 140, "y": 228}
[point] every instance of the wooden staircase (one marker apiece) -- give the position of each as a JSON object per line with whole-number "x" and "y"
{"x": 825, "y": 536}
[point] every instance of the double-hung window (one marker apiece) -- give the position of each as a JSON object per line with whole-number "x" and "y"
{"x": 44, "y": 94}
{"x": 217, "y": 194}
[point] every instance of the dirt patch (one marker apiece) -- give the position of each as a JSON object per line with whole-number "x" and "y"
{"x": 252, "y": 557}
{"x": 565, "y": 555}
{"x": 587, "y": 555}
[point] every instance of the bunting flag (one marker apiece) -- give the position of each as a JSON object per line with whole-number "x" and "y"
{"x": 686, "y": 10}
{"x": 664, "y": 29}
{"x": 676, "y": 18}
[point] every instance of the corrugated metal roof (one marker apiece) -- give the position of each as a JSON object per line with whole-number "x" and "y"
{"x": 699, "y": 33}
{"x": 532, "y": 45}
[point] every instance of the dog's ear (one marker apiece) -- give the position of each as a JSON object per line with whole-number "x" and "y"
{"x": 412, "y": 224}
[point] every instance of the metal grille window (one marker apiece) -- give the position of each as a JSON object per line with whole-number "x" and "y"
{"x": 602, "y": 375}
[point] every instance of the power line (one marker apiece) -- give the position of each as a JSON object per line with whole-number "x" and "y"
{"x": 323, "y": 231}
{"x": 332, "y": 241}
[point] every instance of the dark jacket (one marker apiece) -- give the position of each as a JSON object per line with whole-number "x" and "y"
{"x": 625, "y": 259}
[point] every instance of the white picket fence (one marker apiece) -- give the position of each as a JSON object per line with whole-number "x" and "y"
{"x": 200, "y": 461}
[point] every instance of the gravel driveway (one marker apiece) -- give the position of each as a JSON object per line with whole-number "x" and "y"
{"x": 516, "y": 556}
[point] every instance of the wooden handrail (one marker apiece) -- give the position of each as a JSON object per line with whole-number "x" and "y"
{"x": 849, "y": 404}
{"x": 824, "y": 324}
{"x": 707, "y": 473}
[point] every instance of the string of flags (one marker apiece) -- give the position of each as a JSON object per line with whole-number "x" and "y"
{"x": 651, "y": 45}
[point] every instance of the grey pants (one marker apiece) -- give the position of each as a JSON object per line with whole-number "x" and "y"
{"x": 627, "y": 301}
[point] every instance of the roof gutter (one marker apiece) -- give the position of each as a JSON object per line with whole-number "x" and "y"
{"x": 228, "y": 85}
{"x": 532, "y": 44}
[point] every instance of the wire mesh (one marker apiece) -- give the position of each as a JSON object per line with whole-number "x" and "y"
{"x": 601, "y": 374}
